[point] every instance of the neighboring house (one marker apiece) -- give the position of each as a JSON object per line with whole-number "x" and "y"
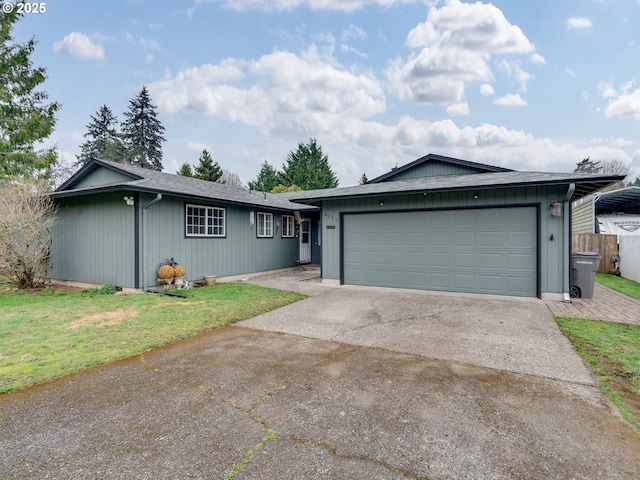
{"x": 615, "y": 212}
{"x": 446, "y": 224}
{"x": 437, "y": 223}
{"x": 118, "y": 223}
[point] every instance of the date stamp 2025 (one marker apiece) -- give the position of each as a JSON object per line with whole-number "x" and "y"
{"x": 24, "y": 7}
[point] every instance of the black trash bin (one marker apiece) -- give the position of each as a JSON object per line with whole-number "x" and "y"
{"x": 584, "y": 266}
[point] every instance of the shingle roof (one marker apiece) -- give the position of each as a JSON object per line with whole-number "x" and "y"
{"x": 151, "y": 181}
{"x": 585, "y": 184}
{"x": 432, "y": 157}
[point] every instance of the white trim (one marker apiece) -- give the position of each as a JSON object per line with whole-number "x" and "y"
{"x": 264, "y": 227}
{"x": 288, "y": 226}
{"x": 210, "y": 219}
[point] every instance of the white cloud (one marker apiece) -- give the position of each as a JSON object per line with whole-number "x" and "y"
{"x": 453, "y": 47}
{"x": 79, "y": 45}
{"x": 570, "y": 72}
{"x": 511, "y": 100}
{"x": 578, "y": 23}
{"x": 625, "y": 105}
{"x": 460, "y": 108}
{"x": 353, "y": 32}
{"x": 538, "y": 59}
{"x": 486, "y": 90}
{"x": 279, "y": 90}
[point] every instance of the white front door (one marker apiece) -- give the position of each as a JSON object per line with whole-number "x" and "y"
{"x": 305, "y": 241}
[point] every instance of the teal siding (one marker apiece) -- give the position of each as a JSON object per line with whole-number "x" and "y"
{"x": 433, "y": 169}
{"x": 102, "y": 176}
{"x": 94, "y": 240}
{"x": 552, "y": 254}
{"x": 240, "y": 252}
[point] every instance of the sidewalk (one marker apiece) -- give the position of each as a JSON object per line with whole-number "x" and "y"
{"x": 606, "y": 304}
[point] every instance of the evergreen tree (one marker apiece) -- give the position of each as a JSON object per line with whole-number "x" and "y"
{"x": 363, "y": 179}
{"x": 103, "y": 140}
{"x": 207, "y": 169}
{"x": 267, "y": 179}
{"x": 308, "y": 168}
{"x": 25, "y": 117}
{"x": 185, "y": 170}
{"x": 142, "y": 133}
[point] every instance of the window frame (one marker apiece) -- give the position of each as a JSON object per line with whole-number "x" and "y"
{"x": 288, "y": 227}
{"x": 261, "y": 225}
{"x": 206, "y": 221}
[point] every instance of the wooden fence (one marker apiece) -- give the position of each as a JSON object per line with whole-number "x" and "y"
{"x": 605, "y": 245}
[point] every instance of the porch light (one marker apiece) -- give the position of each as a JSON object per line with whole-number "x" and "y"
{"x": 251, "y": 217}
{"x": 476, "y": 195}
{"x": 381, "y": 203}
{"x": 555, "y": 208}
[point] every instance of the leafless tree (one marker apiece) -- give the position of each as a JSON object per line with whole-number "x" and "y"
{"x": 615, "y": 167}
{"x": 28, "y": 213}
{"x": 232, "y": 179}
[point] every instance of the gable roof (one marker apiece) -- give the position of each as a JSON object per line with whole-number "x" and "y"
{"x": 433, "y": 158}
{"x": 150, "y": 181}
{"x": 584, "y": 184}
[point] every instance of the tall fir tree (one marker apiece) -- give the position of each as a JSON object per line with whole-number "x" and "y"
{"x": 207, "y": 169}
{"x": 102, "y": 138}
{"x": 185, "y": 170}
{"x": 26, "y": 119}
{"x": 267, "y": 178}
{"x": 308, "y": 168}
{"x": 142, "y": 133}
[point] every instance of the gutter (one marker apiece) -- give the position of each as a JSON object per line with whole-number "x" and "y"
{"x": 566, "y": 297}
{"x": 142, "y": 238}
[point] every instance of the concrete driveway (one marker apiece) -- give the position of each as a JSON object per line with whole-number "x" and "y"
{"x": 364, "y": 383}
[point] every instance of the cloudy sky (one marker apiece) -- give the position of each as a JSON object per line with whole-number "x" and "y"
{"x": 527, "y": 84}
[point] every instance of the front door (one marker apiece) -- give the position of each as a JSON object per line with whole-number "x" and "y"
{"x": 305, "y": 241}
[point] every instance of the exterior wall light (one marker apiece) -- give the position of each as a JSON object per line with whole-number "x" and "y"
{"x": 381, "y": 203}
{"x": 555, "y": 208}
{"x": 476, "y": 195}
{"x": 130, "y": 201}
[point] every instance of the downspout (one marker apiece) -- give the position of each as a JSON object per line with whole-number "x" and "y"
{"x": 142, "y": 239}
{"x": 567, "y": 234}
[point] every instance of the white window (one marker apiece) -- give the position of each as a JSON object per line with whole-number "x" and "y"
{"x": 288, "y": 226}
{"x": 265, "y": 225}
{"x": 201, "y": 221}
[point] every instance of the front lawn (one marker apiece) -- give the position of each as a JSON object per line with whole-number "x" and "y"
{"x": 619, "y": 284}
{"x": 612, "y": 350}
{"x": 48, "y": 334}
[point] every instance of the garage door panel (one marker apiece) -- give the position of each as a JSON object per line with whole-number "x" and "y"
{"x": 491, "y": 250}
{"x": 463, "y": 260}
{"x": 438, "y": 239}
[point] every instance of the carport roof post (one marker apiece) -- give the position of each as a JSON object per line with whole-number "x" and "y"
{"x": 585, "y": 185}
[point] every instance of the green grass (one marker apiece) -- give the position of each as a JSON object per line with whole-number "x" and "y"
{"x": 619, "y": 284}
{"x": 50, "y": 334}
{"x": 612, "y": 350}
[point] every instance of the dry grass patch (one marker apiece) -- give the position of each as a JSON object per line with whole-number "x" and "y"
{"x": 105, "y": 319}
